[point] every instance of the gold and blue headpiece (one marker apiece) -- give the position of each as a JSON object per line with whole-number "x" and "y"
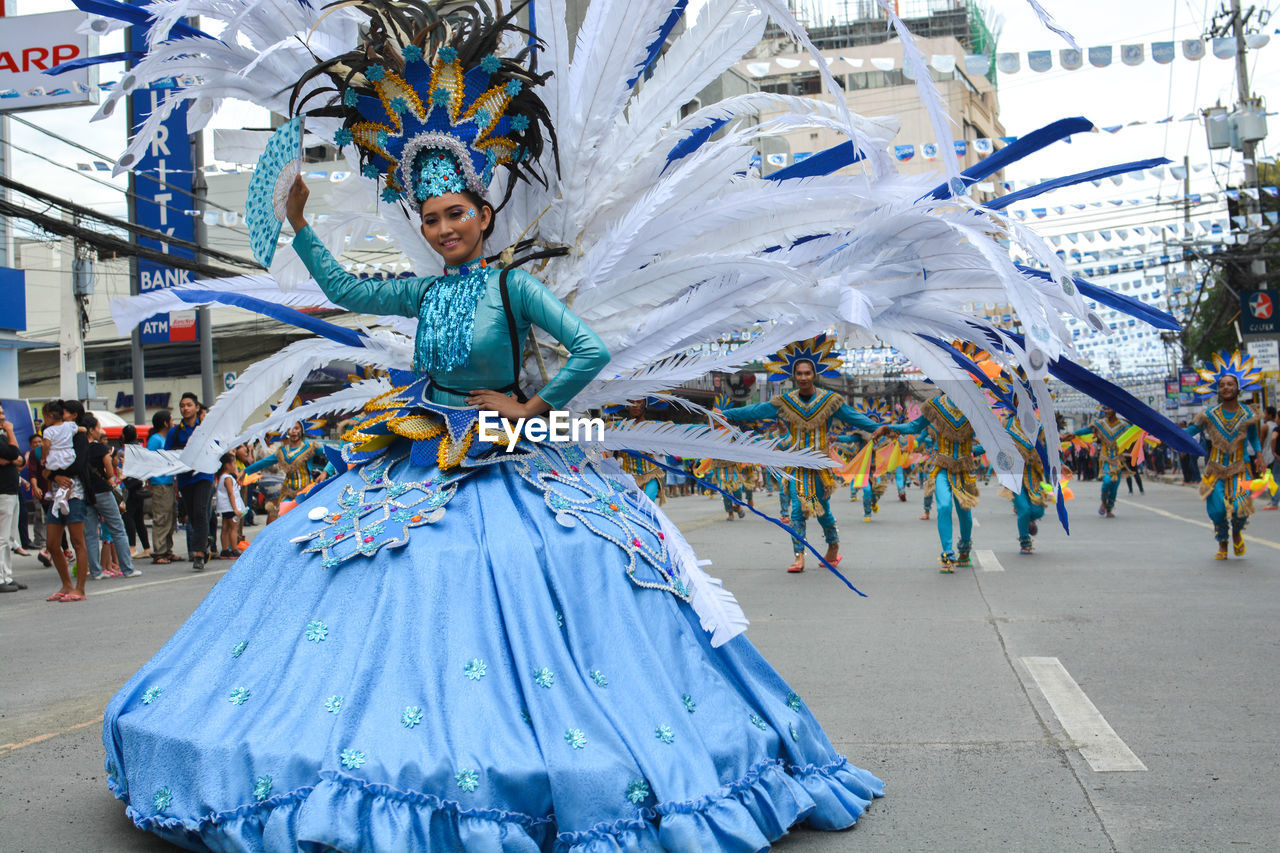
{"x": 429, "y": 104}
{"x": 878, "y": 410}
{"x": 817, "y": 351}
{"x": 1248, "y": 376}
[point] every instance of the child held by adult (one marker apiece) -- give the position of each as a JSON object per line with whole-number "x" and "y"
{"x": 67, "y": 509}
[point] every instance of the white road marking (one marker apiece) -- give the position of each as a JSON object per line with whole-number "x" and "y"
{"x": 1266, "y": 543}
{"x": 1089, "y": 731}
{"x": 94, "y": 592}
{"x": 976, "y": 523}
{"x": 989, "y": 561}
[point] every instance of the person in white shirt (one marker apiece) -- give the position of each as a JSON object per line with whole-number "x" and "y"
{"x": 229, "y": 506}
{"x": 59, "y": 455}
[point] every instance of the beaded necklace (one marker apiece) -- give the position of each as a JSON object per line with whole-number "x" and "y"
{"x": 447, "y": 316}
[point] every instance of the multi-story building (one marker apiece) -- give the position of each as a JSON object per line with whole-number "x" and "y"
{"x": 865, "y": 57}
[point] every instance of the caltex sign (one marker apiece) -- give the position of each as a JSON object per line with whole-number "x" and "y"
{"x": 1260, "y": 312}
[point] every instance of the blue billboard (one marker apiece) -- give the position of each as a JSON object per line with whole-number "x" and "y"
{"x": 162, "y": 182}
{"x": 13, "y": 300}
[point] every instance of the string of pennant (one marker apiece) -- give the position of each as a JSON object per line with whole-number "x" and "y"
{"x": 1143, "y": 234}
{"x": 1191, "y": 199}
{"x": 983, "y": 147}
{"x": 1157, "y": 172}
{"x": 1011, "y": 62}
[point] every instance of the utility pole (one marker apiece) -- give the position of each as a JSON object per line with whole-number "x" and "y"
{"x": 137, "y": 361}
{"x": 6, "y": 235}
{"x": 200, "y": 189}
{"x": 1246, "y": 98}
{"x": 71, "y": 329}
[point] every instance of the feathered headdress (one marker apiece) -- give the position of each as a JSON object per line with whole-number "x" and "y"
{"x": 817, "y": 351}
{"x": 878, "y": 410}
{"x": 1224, "y": 363}
{"x": 429, "y": 103}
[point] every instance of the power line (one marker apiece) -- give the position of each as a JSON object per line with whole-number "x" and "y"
{"x": 107, "y": 243}
{"x": 98, "y": 180}
{"x": 101, "y": 156}
{"x": 136, "y": 230}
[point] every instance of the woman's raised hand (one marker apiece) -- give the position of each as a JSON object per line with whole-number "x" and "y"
{"x": 296, "y": 204}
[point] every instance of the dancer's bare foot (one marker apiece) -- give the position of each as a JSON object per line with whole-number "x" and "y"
{"x": 833, "y": 553}
{"x": 798, "y": 565}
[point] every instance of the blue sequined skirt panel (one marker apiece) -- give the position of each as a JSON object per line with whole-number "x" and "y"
{"x": 484, "y": 663}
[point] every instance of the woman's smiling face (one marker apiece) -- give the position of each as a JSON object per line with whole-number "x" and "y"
{"x": 454, "y": 226}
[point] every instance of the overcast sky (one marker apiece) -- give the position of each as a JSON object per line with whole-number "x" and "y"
{"x": 1107, "y": 96}
{"x": 1115, "y": 95}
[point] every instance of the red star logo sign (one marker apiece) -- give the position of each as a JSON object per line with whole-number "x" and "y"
{"x": 1261, "y": 306}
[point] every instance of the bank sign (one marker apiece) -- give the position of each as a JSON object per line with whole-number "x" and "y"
{"x": 162, "y": 179}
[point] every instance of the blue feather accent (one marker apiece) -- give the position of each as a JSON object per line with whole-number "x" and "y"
{"x": 655, "y": 49}
{"x": 135, "y": 15}
{"x": 87, "y": 61}
{"x": 969, "y": 365}
{"x": 695, "y": 141}
{"x": 334, "y": 455}
{"x": 1119, "y": 301}
{"x": 1125, "y": 404}
{"x": 768, "y": 518}
{"x": 822, "y": 163}
{"x": 283, "y": 313}
{"x": 1015, "y": 151}
{"x": 1078, "y": 178}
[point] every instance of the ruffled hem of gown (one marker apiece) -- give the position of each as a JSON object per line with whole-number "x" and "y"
{"x": 344, "y": 813}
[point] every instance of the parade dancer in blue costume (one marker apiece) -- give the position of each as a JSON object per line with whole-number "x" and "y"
{"x": 1107, "y": 430}
{"x": 1231, "y": 428}
{"x": 807, "y": 413}
{"x": 925, "y": 443}
{"x": 873, "y": 488}
{"x": 649, "y": 477}
{"x": 950, "y": 474}
{"x": 1029, "y": 502}
{"x": 458, "y": 647}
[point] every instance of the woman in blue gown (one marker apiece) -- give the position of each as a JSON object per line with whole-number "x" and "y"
{"x": 459, "y": 645}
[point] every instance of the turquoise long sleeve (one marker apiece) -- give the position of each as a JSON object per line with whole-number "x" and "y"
{"x": 755, "y": 412}
{"x": 491, "y": 361}
{"x": 857, "y": 419}
{"x": 533, "y": 303}
{"x": 399, "y": 296}
{"x": 915, "y": 427}
{"x": 262, "y": 464}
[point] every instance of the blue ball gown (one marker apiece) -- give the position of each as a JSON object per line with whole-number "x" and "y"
{"x": 454, "y": 647}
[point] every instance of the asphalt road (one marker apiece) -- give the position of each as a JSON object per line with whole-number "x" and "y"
{"x": 1116, "y": 691}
